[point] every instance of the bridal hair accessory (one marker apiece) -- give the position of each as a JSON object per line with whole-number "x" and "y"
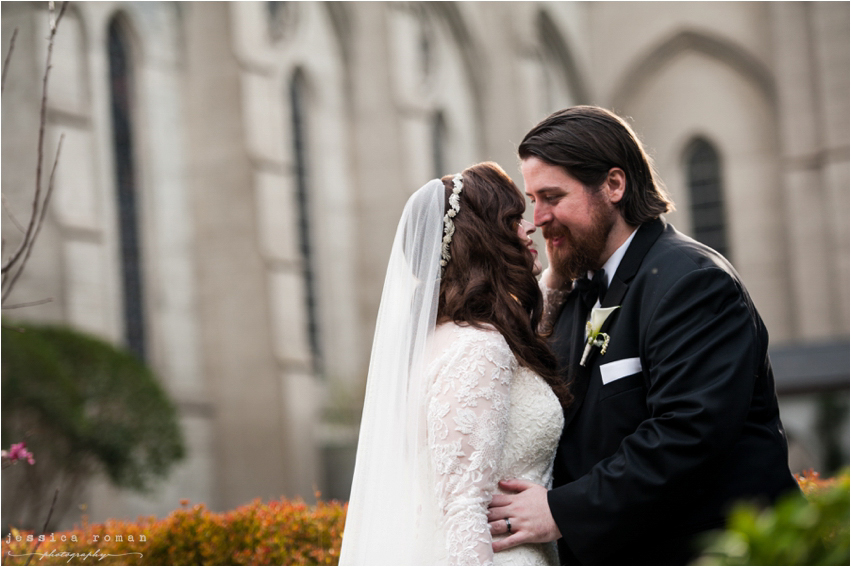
{"x": 448, "y": 225}
{"x": 595, "y": 337}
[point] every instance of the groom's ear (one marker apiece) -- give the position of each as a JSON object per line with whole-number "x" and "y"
{"x": 615, "y": 185}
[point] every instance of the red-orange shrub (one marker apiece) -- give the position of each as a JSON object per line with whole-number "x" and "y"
{"x": 280, "y": 532}
{"x": 276, "y": 533}
{"x": 811, "y": 482}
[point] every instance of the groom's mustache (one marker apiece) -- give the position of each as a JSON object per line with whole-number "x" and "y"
{"x": 549, "y": 232}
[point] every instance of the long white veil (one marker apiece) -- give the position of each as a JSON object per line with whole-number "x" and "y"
{"x": 391, "y": 515}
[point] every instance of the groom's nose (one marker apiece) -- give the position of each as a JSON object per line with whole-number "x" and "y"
{"x": 542, "y": 214}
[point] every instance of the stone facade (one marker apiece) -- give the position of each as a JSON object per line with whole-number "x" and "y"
{"x": 275, "y": 144}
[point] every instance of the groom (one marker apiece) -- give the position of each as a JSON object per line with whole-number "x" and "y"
{"x": 678, "y": 418}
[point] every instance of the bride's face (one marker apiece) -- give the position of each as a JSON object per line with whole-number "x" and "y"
{"x": 524, "y": 231}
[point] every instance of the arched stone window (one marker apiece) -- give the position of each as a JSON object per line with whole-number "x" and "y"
{"x": 299, "y": 112}
{"x": 121, "y": 98}
{"x": 703, "y": 175}
{"x": 559, "y": 85}
{"x": 434, "y": 88}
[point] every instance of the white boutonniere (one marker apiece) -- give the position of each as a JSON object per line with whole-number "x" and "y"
{"x": 595, "y": 337}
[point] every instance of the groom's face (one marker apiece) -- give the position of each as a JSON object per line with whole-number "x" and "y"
{"x": 575, "y": 221}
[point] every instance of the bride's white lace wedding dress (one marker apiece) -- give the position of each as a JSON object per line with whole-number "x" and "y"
{"x": 448, "y": 412}
{"x": 488, "y": 419}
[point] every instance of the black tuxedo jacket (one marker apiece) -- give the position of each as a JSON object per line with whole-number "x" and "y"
{"x": 677, "y": 420}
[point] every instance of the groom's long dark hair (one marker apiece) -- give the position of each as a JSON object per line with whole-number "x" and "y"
{"x": 489, "y": 279}
{"x": 588, "y": 141}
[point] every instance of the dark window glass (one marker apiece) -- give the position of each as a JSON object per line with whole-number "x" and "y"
{"x": 438, "y": 144}
{"x": 703, "y": 171}
{"x": 298, "y": 101}
{"x": 281, "y": 19}
{"x": 426, "y": 51}
{"x": 121, "y": 84}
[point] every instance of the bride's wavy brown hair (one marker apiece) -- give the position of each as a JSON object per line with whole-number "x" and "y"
{"x": 489, "y": 280}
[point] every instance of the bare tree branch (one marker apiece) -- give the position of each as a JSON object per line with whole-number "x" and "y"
{"x": 59, "y": 17}
{"x": 8, "y": 57}
{"x": 39, "y": 221}
{"x": 28, "y": 304}
{"x": 37, "y": 212}
{"x": 44, "y": 528}
{"x": 37, "y": 197}
{"x": 8, "y": 210}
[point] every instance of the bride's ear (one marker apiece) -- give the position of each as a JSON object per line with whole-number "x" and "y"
{"x": 615, "y": 185}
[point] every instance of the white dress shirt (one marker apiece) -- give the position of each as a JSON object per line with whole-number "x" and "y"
{"x": 613, "y": 262}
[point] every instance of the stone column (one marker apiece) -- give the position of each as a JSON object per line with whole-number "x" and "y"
{"x": 805, "y": 183}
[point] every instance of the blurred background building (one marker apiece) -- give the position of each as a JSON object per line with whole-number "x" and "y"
{"x": 232, "y": 175}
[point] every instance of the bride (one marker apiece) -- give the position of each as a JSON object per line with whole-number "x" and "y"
{"x": 462, "y": 392}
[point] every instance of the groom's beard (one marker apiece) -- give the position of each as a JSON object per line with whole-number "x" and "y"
{"x": 579, "y": 252}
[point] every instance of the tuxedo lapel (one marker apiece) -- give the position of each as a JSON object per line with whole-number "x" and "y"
{"x": 644, "y": 239}
{"x": 577, "y": 375}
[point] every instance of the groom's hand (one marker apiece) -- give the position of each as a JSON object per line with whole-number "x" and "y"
{"x": 528, "y": 511}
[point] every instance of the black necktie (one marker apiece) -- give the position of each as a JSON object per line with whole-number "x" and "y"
{"x": 590, "y": 291}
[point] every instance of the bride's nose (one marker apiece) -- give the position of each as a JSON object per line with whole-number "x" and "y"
{"x": 528, "y": 227}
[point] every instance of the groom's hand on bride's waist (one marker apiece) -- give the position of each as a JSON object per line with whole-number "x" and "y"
{"x": 526, "y": 510}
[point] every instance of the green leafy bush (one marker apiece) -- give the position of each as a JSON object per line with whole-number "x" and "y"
{"x": 82, "y": 406}
{"x": 81, "y": 399}
{"x": 797, "y": 531}
{"x": 278, "y": 533}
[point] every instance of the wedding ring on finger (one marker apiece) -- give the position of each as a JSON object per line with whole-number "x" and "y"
{"x": 508, "y": 524}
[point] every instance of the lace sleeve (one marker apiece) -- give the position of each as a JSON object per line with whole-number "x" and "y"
{"x": 467, "y": 423}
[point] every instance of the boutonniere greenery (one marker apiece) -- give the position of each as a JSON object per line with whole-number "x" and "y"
{"x": 592, "y": 329}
